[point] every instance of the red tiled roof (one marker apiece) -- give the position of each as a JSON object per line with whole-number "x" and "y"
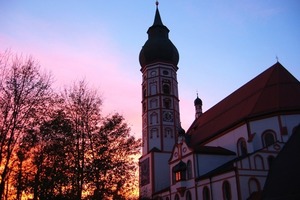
{"x": 273, "y": 91}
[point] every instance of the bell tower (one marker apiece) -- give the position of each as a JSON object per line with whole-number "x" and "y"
{"x": 160, "y": 107}
{"x": 160, "y": 103}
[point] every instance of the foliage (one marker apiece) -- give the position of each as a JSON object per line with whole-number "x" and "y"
{"x": 59, "y": 146}
{"x": 24, "y": 92}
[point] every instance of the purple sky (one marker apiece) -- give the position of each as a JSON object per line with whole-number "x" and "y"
{"x": 222, "y": 45}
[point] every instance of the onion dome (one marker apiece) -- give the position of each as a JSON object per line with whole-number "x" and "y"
{"x": 158, "y": 47}
{"x": 198, "y": 101}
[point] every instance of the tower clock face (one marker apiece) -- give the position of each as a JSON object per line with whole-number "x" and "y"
{"x": 168, "y": 116}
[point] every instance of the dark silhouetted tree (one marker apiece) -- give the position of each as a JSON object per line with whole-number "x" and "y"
{"x": 113, "y": 161}
{"x": 60, "y": 146}
{"x": 82, "y": 106}
{"x": 54, "y": 159}
{"x": 24, "y": 96}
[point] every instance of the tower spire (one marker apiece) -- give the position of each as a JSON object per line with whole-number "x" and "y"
{"x": 157, "y": 18}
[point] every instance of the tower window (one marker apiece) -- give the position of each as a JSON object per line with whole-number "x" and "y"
{"x": 153, "y": 88}
{"x": 167, "y": 103}
{"x": 153, "y": 103}
{"x": 153, "y": 118}
{"x": 166, "y": 89}
{"x": 154, "y": 132}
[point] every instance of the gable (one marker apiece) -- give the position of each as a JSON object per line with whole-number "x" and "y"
{"x": 180, "y": 151}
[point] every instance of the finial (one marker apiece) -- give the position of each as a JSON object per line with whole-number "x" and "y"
{"x": 197, "y": 93}
{"x": 156, "y": 3}
{"x": 277, "y": 58}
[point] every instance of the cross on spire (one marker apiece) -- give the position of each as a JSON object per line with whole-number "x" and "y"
{"x": 156, "y": 3}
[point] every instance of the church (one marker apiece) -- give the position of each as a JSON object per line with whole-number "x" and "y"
{"x": 230, "y": 150}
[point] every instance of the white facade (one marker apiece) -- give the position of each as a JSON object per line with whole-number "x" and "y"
{"x": 248, "y": 173}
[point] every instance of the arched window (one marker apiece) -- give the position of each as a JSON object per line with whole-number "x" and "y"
{"x": 270, "y": 161}
{"x": 152, "y": 88}
{"x": 206, "y": 194}
{"x": 166, "y": 88}
{"x": 188, "y": 195}
{"x": 242, "y": 147}
{"x": 268, "y": 138}
{"x": 253, "y": 185}
{"x": 176, "y": 197}
{"x": 153, "y": 103}
{"x": 259, "y": 163}
{"x": 154, "y": 133}
{"x": 167, "y": 103}
{"x": 189, "y": 170}
{"x": 226, "y": 191}
{"x": 153, "y": 118}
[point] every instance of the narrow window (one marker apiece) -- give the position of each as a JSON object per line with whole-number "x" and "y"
{"x": 188, "y": 195}
{"x": 253, "y": 185}
{"x": 226, "y": 191}
{"x": 258, "y": 161}
{"x": 176, "y": 197}
{"x": 166, "y": 88}
{"x": 153, "y": 118}
{"x": 177, "y": 176}
{"x": 206, "y": 194}
{"x": 152, "y": 88}
{"x": 167, "y": 103}
{"x": 153, "y": 103}
{"x": 242, "y": 147}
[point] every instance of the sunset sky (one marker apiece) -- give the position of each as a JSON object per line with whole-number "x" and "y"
{"x": 222, "y": 45}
